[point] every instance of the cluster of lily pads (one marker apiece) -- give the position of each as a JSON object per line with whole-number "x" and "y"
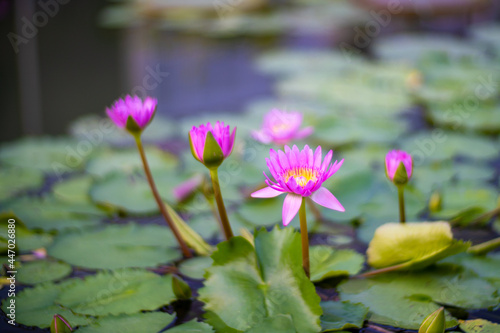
{"x": 94, "y": 248}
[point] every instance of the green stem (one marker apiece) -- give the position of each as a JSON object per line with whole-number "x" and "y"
{"x": 159, "y": 202}
{"x": 483, "y": 248}
{"x": 305, "y": 237}
{"x": 226, "y": 227}
{"x": 401, "y": 198}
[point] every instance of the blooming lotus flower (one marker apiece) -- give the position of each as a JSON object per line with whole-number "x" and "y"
{"x": 300, "y": 174}
{"x": 211, "y": 145}
{"x": 281, "y": 127}
{"x": 132, "y": 113}
{"x": 398, "y": 166}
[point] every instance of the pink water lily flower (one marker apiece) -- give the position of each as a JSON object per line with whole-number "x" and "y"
{"x": 300, "y": 174}
{"x": 281, "y": 127}
{"x": 392, "y": 161}
{"x": 141, "y": 111}
{"x": 221, "y": 133}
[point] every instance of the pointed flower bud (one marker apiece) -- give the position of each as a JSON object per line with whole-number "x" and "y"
{"x": 181, "y": 289}
{"x": 211, "y": 145}
{"x": 434, "y": 323}
{"x": 60, "y": 325}
{"x": 132, "y": 114}
{"x": 398, "y": 166}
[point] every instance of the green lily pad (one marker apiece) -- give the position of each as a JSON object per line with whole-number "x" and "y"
{"x": 50, "y": 214}
{"x": 128, "y": 245}
{"x": 342, "y": 315}
{"x": 128, "y": 161}
{"x": 192, "y": 326}
{"x": 278, "y": 324}
{"x": 412, "y": 245}
{"x": 414, "y": 47}
{"x": 487, "y": 267}
{"x": 327, "y": 262}
{"x": 441, "y": 146}
{"x": 17, "y": 180}
{"x": 479, "y": 326}
{"x": 132, "y": 193}
{"x": 42, "y": 271}
{"x": 26, "y": 240}
{"x": 334, "y": 132}
{"x": 147, "y": 322}
{"x": 194, "y": 268}
{"x": 51, "y": 155}
{"x": 123, "y": 291}
{"x": 269, "y": 277}
{"x": 74, "y": 190}
{"x": 465, "y": 201}
{"x": 404, "y": 299}
{"x": 37, "y": 307}
{"x": 103, "y": 131}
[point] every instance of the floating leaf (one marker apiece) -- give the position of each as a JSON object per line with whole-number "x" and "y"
{"x": 55, "y": 156}
{"x": 342, "y": 315}
{"x": 128, "y": 245}
{"x": 36, "y": 306}
{"x": 464, "y": 202}
{"x": 50, "y": 214}
{"x": 192, "y": 326}
{"x": 26, "y": 240}
{"x": 412, "y": 245}
{"x": 327, "y": 262}
{"x": 129, "y": 162}
{"x": 278, "y": 324}
{"x": 74, "y": 190}
{"x": 147, "y": 322}
{"x": 17, "y": 180}
{"x": 479, "y": 326}
{"x": 404, "y": 299}
{"x": 42, "y": 271}
{"x": 132, "y": 193}
{"x": 194, "y": 268}
{"x": 441, "y": 146}
{"x": 269, "y": 277}
{"x": 123, "y": 291}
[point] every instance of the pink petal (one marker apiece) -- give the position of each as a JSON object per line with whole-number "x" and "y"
{"x": 291, "y": 207}
{"x": 317, "y": 158}
{"x": 334, "y": 168}
{"x": 261, "y": 136}
{"x": 266, "y": 192}
{"x": 326, "y": 199}
{"x": 304, "y": 132}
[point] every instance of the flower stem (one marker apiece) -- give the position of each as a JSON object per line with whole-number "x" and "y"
{"x": 483, "y": 248}
{"x": 226, "y": 227}
{"x": 159, "y": 202}
{"x": 401, "y": 197}
{"x": 305, "y": 237}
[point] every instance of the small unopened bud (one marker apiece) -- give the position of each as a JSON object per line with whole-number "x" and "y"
{"x": 181, "y": 289}
{"x": 435, "y": 202}
{"x": 434, "y": 323}
{"x": 60, "y": 325}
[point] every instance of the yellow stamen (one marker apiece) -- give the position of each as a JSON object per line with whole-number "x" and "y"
{"x": 302, "y": 175}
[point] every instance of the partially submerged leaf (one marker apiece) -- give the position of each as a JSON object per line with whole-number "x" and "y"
{"x": 479, "y": 326}
{"x": 412, "y": 245}
{"x": 40, "y": 271}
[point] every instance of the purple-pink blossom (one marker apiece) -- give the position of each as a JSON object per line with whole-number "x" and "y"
{"x": 141, "y": 111}
{"x": 280, "y": 127}
{"x": 221, "y": 133}
{"x": 188, "y": 187}
{"x": 392, "y": 161}
{"x": 300, "y": 174}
